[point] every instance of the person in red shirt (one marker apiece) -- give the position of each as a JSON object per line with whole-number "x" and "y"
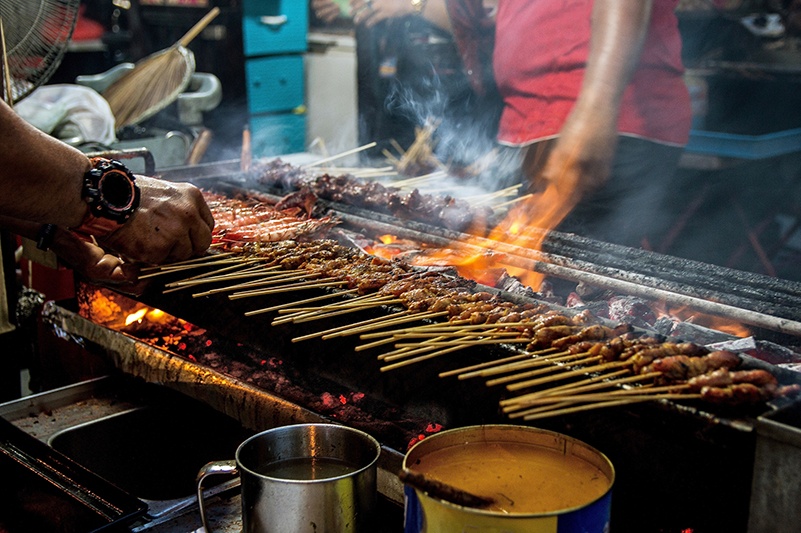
{"x": 594, "y": 99}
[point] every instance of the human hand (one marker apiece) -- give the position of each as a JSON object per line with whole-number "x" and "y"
{"x": 581, "y": 158}
{"x": 172, "y": 223}
{"x": 325, "y": 10}
{"x": 91, "y": 261}
{"x": 371, "y": 12}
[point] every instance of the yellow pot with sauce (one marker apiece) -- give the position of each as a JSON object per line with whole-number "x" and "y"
{"x": 541, "y": 482}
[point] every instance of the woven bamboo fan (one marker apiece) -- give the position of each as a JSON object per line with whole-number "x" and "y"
{"x": 155, "y": 81}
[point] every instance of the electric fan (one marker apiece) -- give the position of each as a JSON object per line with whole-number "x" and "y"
{"x": 37, "y": 33}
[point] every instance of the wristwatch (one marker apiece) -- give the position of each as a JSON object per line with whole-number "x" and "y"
{"x": 110, "y": 190}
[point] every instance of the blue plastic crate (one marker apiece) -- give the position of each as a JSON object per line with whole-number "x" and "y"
{"x": 745, "y": 146}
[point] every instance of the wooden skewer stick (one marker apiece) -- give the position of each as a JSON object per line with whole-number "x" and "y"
{"x": 520, "y": 402}
{"x": 348, "y": 326}
{"x": 261, "y": 282}
{"x": 510, "y": 202}
{"x": 541, "y": 371}
{"x": 565, "y": 375}
{"x": 463, "y": 334}
{"x": 612, "y": 395}
{"x": 359, "y": 303}
{"x": 606, "y": 379}
{"x": 519, "y": 365}
{"x": 468, "y": 342}
{"x": 465, "y": 370}
{"x": 614, "y": 403}
{"x": 352, "y": 302}
{"x": 307, "y": 300}
{"x": 374, "y": 344}
{"x": 312, "y": 316}
{"x": 208, "y": 257}
{"x": 286, "y": 288}
{"x": 540, "y": 355}
{"x": 407, "y": 351}
{"x": 188, "y": 282}
{"x": 340, "y": 155}
{"x": 403, "y": 330}
{"x": 408, "y": 362}
{"x": 382, "y": 324}
{"x": 438, "y": 489}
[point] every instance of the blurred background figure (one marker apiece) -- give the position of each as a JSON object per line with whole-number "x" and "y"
{"x": 411, "y": 76}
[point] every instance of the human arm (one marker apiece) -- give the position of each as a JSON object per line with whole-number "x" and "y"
{"x": 84, "y": 257}
{"x": 371, "y": 12}
{"x": 41, "y": 181}
{"x": 582, "y": 156}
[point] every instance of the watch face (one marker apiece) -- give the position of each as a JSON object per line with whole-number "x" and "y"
{"x": 117, "y": 191}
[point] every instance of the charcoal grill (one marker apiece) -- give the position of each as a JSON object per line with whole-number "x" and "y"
{"x": 679, "y": 466}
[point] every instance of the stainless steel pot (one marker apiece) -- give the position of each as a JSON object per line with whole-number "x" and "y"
{"x": 303, "y": 478}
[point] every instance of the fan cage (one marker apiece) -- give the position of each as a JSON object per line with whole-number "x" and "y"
{"x": 37, "y": 34}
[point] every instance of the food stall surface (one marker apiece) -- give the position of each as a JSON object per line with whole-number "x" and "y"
{"x": 150, "y": 442}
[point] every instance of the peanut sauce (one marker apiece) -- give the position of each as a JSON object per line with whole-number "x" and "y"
{"x": 523, "y": 479}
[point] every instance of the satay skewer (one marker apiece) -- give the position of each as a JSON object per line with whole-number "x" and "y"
{"x": 611, "y": 403}
{"x": 568, "y": 374}
{"x": 261, "y": 282}
{"x": 466, "y": 370}
{"x": 286, "y": 288}
{"x": 519, "y": 402}
{"x": 562, "y": 367}
{"x": 337, "y": 294}
{"x": 340, "y": 155}
{"x": 607, "y": 380}
{"x": 426, "y": 357}
{"x": 391, "y": 322}
{"x": 520, "y": 365}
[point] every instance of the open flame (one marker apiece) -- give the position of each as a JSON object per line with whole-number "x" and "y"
{"x": 687, "y": 314}
{"x": 526, "y": 225}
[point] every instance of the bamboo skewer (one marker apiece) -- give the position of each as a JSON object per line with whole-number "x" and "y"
{"x": 261, "y": 282}
{"x": 607, "y": 379}
{"x": 520, "y": 402}
{"x": 312, "y": 316}
{"x": 470, "y": 342}
{"x": 611, "y": 403}
{"x": 418, "y": 316}
{"x": 541, "y": 371}
{"x": 286, "y": 288}
{"x": 307, "y": 300}
{"x": 496, "y": 207}
{"x": 340, "y": 155}
{"x": 348, "y": 326}
{"x": 602, "y": 396}
{"x": 565, "y": 375}
{"x": 520, "y": 365}
{"x": 366, "y": 325}
{"x": 466, "y": 370}
{"x": 407, "y": 362}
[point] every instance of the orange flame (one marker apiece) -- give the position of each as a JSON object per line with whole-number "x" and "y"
{"x": 687, "y": 314}
{"x": 526, "y": 226}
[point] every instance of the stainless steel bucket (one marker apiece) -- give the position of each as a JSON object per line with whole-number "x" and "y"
{"x": 304, "y": 478}
{"x": 544, "y": 482}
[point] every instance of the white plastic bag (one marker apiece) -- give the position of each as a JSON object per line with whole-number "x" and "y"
{"x": 72, "y": 113}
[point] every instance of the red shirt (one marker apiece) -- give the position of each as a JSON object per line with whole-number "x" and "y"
{"x": 541, "y": 49}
